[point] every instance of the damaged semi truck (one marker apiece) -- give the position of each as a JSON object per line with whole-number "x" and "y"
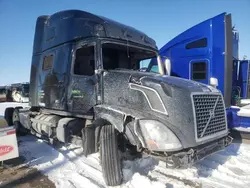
{"x": 85, "y": 85}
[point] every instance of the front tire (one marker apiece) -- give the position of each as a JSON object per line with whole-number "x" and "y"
{"x": 109, "y": 153}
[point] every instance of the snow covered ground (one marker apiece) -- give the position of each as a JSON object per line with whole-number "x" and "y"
{"x": 67, "y": 167}
{"x": 242, "y": 129}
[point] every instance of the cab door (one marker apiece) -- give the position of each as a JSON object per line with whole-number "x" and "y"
{"x": 83, "y": 83}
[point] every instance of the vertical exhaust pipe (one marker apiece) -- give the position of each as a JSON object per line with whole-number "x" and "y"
{"x": 228, "y": 61}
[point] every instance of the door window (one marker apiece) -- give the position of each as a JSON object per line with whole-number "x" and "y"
{"x": 85, "y": 61}
{"x": 199, "y": 71}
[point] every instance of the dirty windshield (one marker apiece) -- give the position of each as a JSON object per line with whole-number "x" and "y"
{"x": 116, "y": 56}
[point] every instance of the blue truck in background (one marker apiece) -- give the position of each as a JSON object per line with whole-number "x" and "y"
{"x": 209, "y": 53}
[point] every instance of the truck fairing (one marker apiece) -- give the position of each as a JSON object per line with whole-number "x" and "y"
{"x": 83, "y": 25}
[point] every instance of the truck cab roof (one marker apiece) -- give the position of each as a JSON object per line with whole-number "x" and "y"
{"x": 195, "y": 32}
{"x": 82, "y": 25}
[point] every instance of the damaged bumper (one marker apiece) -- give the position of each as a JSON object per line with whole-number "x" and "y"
{"x": 192, "y": 155}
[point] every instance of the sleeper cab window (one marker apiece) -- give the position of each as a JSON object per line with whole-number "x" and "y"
{"x": 48, "y": 62}
{"x": 201, "y": 43}
{"x": 199, "y": 71}
{"x": 84, "y": 61}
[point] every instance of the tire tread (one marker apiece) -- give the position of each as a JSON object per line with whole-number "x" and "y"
{"x": 111, "y": 163}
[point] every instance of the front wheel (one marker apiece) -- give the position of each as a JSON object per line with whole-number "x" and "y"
{"x": 109, "y": 153}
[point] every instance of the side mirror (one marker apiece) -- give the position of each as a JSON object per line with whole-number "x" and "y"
{"x": 167, "y": 65}
{"x": 213, "y": 82}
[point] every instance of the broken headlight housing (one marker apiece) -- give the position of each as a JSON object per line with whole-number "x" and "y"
{"x": 159, "y": 137}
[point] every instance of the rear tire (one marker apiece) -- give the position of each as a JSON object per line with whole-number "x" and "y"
{"x": 8, "y": 114}
{"x": 110, "y": 159}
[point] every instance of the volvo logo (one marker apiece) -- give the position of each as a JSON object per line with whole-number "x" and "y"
{"x": 211, "y": 113}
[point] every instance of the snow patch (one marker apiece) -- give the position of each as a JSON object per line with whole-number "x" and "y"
{"x": 242, "y": 129}
{"x": 139, "y": 181}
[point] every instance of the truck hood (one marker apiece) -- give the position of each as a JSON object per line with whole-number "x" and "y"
{"x": 147, "y": 78}
{"x": 154, "y": 96}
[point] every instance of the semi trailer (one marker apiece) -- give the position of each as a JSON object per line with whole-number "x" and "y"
{"x": 20, "y": 92}
{"x": 209, "y": 53}
{"x": 86, "y": 87}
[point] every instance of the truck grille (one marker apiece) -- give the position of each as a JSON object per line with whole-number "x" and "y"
{"x": 210, "y": 117}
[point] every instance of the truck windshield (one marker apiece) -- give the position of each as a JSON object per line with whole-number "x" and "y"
{"x": 117, "y": 56}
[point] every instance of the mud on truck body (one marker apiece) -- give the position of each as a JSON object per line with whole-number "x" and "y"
{"x": 85, "y": 83}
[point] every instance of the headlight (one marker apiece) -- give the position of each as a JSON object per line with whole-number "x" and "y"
{"x": 158, "y": 137}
